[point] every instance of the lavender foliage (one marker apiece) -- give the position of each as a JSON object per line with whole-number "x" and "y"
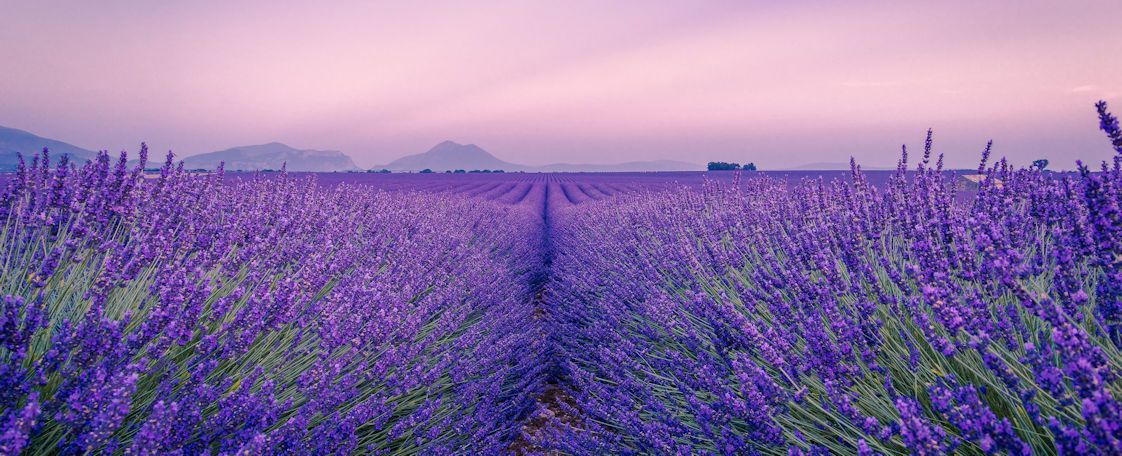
{"x": 846, "y": 318}
{"x": 908, "y": 312}
{"x": 165, "y": 313}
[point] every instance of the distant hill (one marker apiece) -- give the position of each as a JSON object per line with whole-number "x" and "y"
{"x": 447, "y": 155}
{"x": 272, "y": 156}
{"x": 450, "y": 155}
{"x": 14, "y": 141}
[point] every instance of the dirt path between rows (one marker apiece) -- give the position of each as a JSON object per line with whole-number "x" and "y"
{"x": 555, "y": 406}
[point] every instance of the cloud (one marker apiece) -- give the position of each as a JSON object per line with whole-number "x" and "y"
{"x": 1083, "y": 88}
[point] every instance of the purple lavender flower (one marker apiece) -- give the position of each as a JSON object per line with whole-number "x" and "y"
{"x": 1109, "y": 125}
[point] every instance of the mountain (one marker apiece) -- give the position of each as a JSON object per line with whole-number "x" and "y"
{"x": 447, "y": 155}
{"x": 272, "y": 156}
{"x": 13, "y": 141}
{"x": 450, "y": 155}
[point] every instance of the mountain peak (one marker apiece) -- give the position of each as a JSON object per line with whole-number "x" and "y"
{"x": 449, "y": 146}
{"x": 451, "y": 155}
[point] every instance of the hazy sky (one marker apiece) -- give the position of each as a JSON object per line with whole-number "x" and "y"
{"x": 573, "y": 81}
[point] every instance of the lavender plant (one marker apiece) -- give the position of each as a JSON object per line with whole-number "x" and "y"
{"x": 846, "y": 318}
{"x": 269, "y": 314}
{"x": 182, "y": 313}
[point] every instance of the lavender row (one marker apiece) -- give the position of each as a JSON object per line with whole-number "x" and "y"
{"x": 185, "y": 313}
{"x": 842, "y": 317}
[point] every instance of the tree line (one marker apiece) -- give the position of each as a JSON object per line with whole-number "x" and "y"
{"x": 727, "y": 166}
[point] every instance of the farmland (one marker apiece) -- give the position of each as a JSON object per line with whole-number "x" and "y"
{"x": 580, "y": 228}
{"x": 847, "y": 312}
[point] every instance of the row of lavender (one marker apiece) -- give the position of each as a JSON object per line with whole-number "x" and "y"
{"x": 150, "y": 315}
{"x": 846, "y": 318}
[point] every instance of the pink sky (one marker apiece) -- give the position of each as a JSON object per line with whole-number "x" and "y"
{"x": 575, "y": 81}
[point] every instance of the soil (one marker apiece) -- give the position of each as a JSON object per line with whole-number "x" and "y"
{"x": 549, "y": 413}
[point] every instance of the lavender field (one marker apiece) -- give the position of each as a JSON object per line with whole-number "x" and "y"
{"x": 899, "y": 312}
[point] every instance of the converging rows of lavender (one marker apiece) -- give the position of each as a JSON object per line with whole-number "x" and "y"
{"x": 901, "y": 312}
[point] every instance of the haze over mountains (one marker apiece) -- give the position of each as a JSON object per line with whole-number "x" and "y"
{"x": 447, "y": 155}
{"x": 14, "y": 141}
{"x": 272, "y": 156}
{"x": 450, "y": 155}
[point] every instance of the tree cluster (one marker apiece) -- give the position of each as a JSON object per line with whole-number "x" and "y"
{"x": 726, "y": 166}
